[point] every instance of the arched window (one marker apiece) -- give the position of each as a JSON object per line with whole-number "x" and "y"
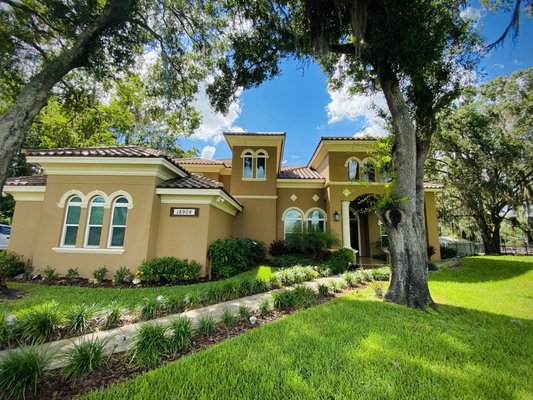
{"x": 260, "y": 164}
{"x": 386, "y": 174}
{"x": 316, "y": 221}
{"x": 94, "y": 224}
{"x": 119, "y": 216}
{"x": 247, "y": 162}
{"x": 369, "y": 169}
{"x": 292, "y": 224}
{"x": 72, "y": 222}
{"x": 353, "y": 169}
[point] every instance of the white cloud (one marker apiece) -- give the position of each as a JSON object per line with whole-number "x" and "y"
{"x": 208, "y": 152}
{"x": 284, "y": 162}
{"x": 499, "y": 66}
{"x": 471, "y": 13}
{"x": 363, "y": 107}
{"x": 214, "y": 123}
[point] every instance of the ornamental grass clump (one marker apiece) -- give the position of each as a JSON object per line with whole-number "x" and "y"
{"x": 213, "y": 295}
{"x": 149, "y": 309}
{"x": 230, "y": 291}
{"x": 78, "y": 318}
{"x": 323, "y": 289}
{"x": 40, "y": 322}
{"x": 259, "y": 286}
{"x": 206, "y": 325}
{"x": 264, "y": 307}
{"x": 228, "y": 319}
{"x": 150, "y": 346}
{"x": 85, "y": 356}
{"x": 180, "y": 334}
{"x": 21, "y": 372}
{"x": 300, "y": 297}
{"x": 112, "y": 315}
{"x": 381, "y": 274}
{"x": 192, "y": 300}
{"x": 173, "y": 305}
{"x": 244, "y": 312}
{"x": 297, "y": 274}
{"x": 7, "y": 331}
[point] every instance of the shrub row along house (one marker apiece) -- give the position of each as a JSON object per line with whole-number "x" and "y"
{"x": 116, "y": 206}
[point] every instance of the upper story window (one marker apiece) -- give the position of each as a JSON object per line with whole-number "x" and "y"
{"x": 95, "y": 222}
{"x": 72, "y": 222}
{"x": 292, "y": 223}
{"x": 316, "y": 221}
{"x": 119, "y": 216}
{"x": 369, "y": 170}
{"x": 254, "y": 164}
{"x": 386, "y": 174}
{"x": 352, "y": 165}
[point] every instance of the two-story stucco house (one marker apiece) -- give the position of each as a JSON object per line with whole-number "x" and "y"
{"x": 116, "y": 206}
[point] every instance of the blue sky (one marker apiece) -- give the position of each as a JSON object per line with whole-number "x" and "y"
{"x": 298, "y": 101}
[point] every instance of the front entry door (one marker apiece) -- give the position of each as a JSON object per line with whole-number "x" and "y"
{"x": 354, "y": 232}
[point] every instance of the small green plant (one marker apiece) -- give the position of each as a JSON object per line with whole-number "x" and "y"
{"x": 174, "y": 305}
{"x": 192, "y": 300}
{"x": 377, "y": 286}
{"x": 381, "y": 274}
{"x": 206, "y": 325}
{"x": 323, "y": 289}
{"x": 85, "y": 356}
{"x": 273, "y": 282}
{"x": 11, "y": 264}
{"x": 150, "y": 346}
{"x": 432, "y": 266}
{"x": 50, "y": 273}
{"x": 297, "y": 274}
{"x": 259, "y": 286}
{"x": 7, "y": 331}
{"x": 149, "y": 309}
{"x": 350, "y": 280}
{"x": 112, "y": 314}
{"x": 448, "y": 252}
{"x": 300, "y": 297}
{"x": 72, "y": 274}
{"x": 100, "y": 273}
{"x": 21, "y": 372}
{"x": 230, "y": 291}
{"x": 334, "y": 286}
{"x": 39, "y": 323}
{"x": 264, "y": 307}
{"x": 122, "y": 276}
{"x": 246, "y": 288}
{"x": 78, "y": 317}
{"x": 228, "y": 318}
{"x": 244, "y": 312}
{"x": 180, "y": 334}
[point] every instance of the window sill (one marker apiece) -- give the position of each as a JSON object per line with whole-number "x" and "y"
{"x": 254, "y": 179}
{"x": 78, "y": 250}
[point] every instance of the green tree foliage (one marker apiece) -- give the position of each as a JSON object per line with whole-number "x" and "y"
{"x": 486, "y": 147}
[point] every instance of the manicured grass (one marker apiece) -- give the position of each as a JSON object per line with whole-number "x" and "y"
{"x": 128, "y": 297}
{"x": 477, "y": 346}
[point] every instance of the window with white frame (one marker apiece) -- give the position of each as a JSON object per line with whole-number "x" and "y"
{"x": 353, "y": 169}
{"x": 247, "y": 164}
{"x": 316, "y": 221}
{"x": 119, "y": 215}
{"x": 72, "y": 222}
{"x": 95, "y": 222}
{"x": 292, "y": 223}
{"x": 369, "y": 170}
{"x": 260, "y": 164}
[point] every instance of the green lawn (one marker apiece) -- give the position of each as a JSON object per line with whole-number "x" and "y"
{"x": 478, "y": 346}
{"x": 129, "y": 297}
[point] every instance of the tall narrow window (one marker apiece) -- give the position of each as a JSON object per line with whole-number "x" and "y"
{"x": 247, "y": 169}
{"x": 72, "y": 222}
{"x": 369, "y": 169}
{"x": 94, "y": 225}
{"x": 118, "y": 222}
{"x": 260, "y": 165}
{"x": 293, "y": 224}
{"x": 353, "y": 170}
{"x": 316, "y": 221}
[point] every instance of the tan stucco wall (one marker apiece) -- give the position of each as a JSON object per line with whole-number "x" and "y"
{"x": 138, "y": 226}
{"x": 432, "y": 228}
{"x": 220, "y": 227}
{"x": 24, "y": 228}
{"x": 257, "y": 221}
{"x": 254, "y": 187}
{"x": 337, "y": 170}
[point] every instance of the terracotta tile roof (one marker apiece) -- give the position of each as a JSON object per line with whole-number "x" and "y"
{"x": 36, "y": 180}
{"x": 103, "y": 151}
{"x": 226, "y": 161}
{"x": 192, "y": 160}
{"x": 298, "y": 172}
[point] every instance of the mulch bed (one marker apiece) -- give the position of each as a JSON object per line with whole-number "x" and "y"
{"x": 89, "y": 283}
{"x": 118, "y": 369}
{"x": 11, "y": 294}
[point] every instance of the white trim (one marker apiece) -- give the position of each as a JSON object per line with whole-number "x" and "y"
{"x": 300, "y": 183}
{"x": 67, "y": 195}
{"x": 313, "y": 209}
{"x": 91, "y": 195}
{"x": 243, "y": 154}
{"x": 89, "y": 226}
{"x": 111, "y": 226}
{"x": 352, "y": 158}
{"x": 353, "y": 183}
{"x": 85, "y": 250}
{"x": 264, "y": 157}
{"x": 289, "y": 209}
{"x": 64, "y": 232}
{"x": 27, "y": 196}
{"x": 256, "y": 197}
{"x": 253, "y": 179}
{"x": 113, "y": 196}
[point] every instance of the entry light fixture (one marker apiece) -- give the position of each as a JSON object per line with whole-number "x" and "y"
{"x": 336, "y": 216}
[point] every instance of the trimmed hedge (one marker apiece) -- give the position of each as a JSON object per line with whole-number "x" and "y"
{"x": 340, "y": 261}
{"x": 169, "y": 269}
{"x": 232, "y": 256}
{"x": 448, "y": 252}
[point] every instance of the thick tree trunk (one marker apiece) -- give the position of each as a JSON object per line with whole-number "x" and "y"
{"x": 405, "y": 223}
{"x": 15, "y": 122}
{"x": 491, "y": 239}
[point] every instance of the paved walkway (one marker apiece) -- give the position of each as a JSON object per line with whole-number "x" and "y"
{"x": 120, "y": 338}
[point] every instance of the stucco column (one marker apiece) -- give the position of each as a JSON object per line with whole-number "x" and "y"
{"x": 346, "y": 241}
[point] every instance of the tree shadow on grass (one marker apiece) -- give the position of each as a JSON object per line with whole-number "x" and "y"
{"x": 482, "y": 269}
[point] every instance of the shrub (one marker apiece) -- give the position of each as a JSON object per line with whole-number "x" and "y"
{"x": 206, "y": 325}
{"x": 340, "y": 261}
{"x": 39, "y": 323}
{"x": 334, "y": 286}
{"x": 353, "y": 279}
{"x": 180, "y": 334}
{"x": 259, "y": 286}
{"x": 290, "y": 260}
{"x": 78, "y": 317}
{"x": 230, "y": 256}
{"x": 447, "y": 252}
{"x": 274, "y": 282}
{"x": 122, "y": 275}
{"x": 381, "y": 274}
{"x": 192, "y": 300}
{"x": 22, "y": 371}
{"x": 246, "y": 288}
{"x": 149, "y": 309}
{"x": 11, "y": 264}
{"x": 72, "y": 274}
{"x": 213, "y": 294}
{"x": 169, "y": 269}
{"x": 278, "y": 248}
{"x": 365, "y": 275}
{"x": 150, "y": 345}
{"x": 50, "y": 273}
{"x": 296, "y": 274}
{"x": 300, "y": 297}
{"x": 230, "y": 291}
{"x": 323, "y": 290}
{"x": 174, "y": 305}
{"x": 100, "y": 273}
{"x": 228, "y": 318}
{"x": 377, "y": 286}
{"x": 112, "y": 314}
{"x": 431, "y": 251}
{"x": 432, "y": 267}
{"x": 85, "y": 356}
{"x": 244, "y": 312}
{"x": 264, "y": 307}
